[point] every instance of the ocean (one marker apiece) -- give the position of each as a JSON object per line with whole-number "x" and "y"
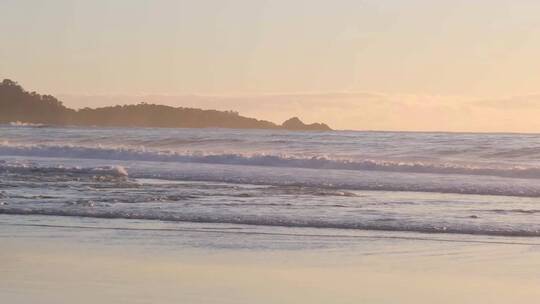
{"x": 336, "y": 184}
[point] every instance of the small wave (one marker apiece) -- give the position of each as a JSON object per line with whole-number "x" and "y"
{"x": 314, "y": 191}
{"x": 516, "y": 152}
{"x": 26, "y": 124}
{"x": 23, "y": 168}
{"x": 514, "y": 211}
{"x": 302, "y": 182}
{"x": 382, "y": 225}
{"x": 238, "y": 230}
{"x": 266, "y": 160}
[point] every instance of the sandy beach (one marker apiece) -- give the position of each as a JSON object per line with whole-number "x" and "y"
{"x": 67, "y": 265}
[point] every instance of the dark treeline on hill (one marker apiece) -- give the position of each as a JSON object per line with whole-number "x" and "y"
{"x": 16, "y": 104}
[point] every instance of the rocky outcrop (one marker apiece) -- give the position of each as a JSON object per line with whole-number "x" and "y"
{"x": 295, "y": 124}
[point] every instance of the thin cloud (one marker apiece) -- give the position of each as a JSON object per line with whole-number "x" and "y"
{"x": 516, "y": 102}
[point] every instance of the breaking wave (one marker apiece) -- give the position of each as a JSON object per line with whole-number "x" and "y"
{"x": 266, "y": 160}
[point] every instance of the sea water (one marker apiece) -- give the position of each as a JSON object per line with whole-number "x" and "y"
{"x": 337, "y": 183}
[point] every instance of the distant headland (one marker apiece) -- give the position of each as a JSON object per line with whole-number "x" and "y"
{"x": 16, "y": 104}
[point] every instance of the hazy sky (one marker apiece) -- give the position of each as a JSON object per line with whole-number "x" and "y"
{"x": 374, "y": 64}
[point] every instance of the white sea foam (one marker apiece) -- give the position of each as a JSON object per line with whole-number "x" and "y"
{"x": 25, "y": 124}
{"x": 29, "y": 168}
{"x": 266, "y": 160}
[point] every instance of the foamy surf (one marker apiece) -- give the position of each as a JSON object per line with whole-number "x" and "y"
{"x": 25, "y": 124}
{"x": 267, "y": 160}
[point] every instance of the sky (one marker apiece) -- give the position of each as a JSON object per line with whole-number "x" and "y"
{"x": 423, "y": 65}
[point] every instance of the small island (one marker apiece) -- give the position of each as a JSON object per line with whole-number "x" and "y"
{"x": 16, "y": 104}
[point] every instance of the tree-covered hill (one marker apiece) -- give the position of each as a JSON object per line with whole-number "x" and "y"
{"x": 16, "y": 104}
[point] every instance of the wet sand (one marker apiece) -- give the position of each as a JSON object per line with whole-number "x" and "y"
{"x": 64, "y": 265}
